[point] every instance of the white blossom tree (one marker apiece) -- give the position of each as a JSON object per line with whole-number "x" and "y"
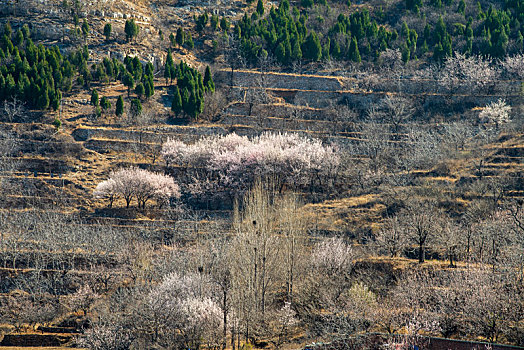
{"x": 179, "y": 313}
{"x": 137, "y": 183}
{"x": 496, "y": 113}
{"x": 471, "y": 73}
{"x": 514, "y": 66}
{"x": 106, "y": 337}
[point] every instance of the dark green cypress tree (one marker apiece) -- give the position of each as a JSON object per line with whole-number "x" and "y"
{"x": 438, "y": 52}
{"x": 185, "y": 99}
{"x": 139, "y": 90}
{"x": 260, "y": 7}
{"x": 176, "y": 102}
{"x": 129, "y": 82}
{"x": 25, "y": 31}
{"x": 214, "y": 22}
{"x": 405, "y": 53}
{"x": 55, "y": 97}
{"x": 224, "y": 24}
{"x": 336, "y": 49}
{"x": 94, "y": 98}
{"x": 119, "y": 106}
{"x": 180, "y": 37}
{"x": 353, "y": 51}
{"x": 131, "y": 29}
{"x": 10, "y": 85}
{"x": 195, "y": 105}
{"x": 168, "y": 67}
{"x": 2, "y": 85}
{"x": 189, "y": 42}
{"x": 280, "y": 53}
{"x": 107, "y": 31}
{"x": 19, "y": 38}
{"x": 147, "y": 89}
{"x": 208, "y": 80}
{"x": 149, "y": 69}
{"x": 136, "y": 107}
{"x": 85, "y": 28}
{"x": 326, "y": 49}
{"x": 311, "y": 49}
{"x": 296, "y": 51}
{"x": 43, "y": 99}
{"x": 7, "y": 29}
{"x": 105, "y": 103}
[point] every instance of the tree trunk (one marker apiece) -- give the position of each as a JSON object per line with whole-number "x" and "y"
{"x": 421, "y": 253}
{"x": 225, "y": 319}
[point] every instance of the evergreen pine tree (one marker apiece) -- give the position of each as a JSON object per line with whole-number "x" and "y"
{"x": 296, "y": 51}
{"x": 176, "y": 103}
{"x": 25, "y": 31}
{"x": 353, "y": 51}
{"x": 139, "y": 90}
{"x": 209, "y": 85}
{"x": 10, "y": 85}
{"x": 119, "y": 106}
{"x": 180, "y": 37}
{"x": 56, "y": 96}
{"x": 280, "y": 53}
{"x": 326, "y": 49}
{"x": 260, "y": 7}
{"x": 107, "y": 31}
{"x": 129, "y": 82}
{"x": 168, "y": 67}
{"x": 185, "y": 99}
{"x": 105, "y": 103}
{"x": 8, "y": 31}
{"x": 136, "y": 107}
{"x": 147, "y": 89}
{"x": 189, "y": 41}
{"x": 85, "y": 28}
{"x": 131, "y": 29}
{"x": 94, "y": 98}
{"x": 19, "y": 38}
{"x": 43, "y": 99}
{"x": 311, "y": 49}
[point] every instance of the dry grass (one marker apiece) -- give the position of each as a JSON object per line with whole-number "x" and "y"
{"x": 336, "y": 215}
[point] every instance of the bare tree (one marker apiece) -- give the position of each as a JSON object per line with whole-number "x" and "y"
{"x": 14, "y": 109}
{"x": 449, "y": 236}
{"x": 457, "y": 135}
{"x": 215, "y": 104}
{"x": 391, "y": 238}
{"x": 420, "y": 220}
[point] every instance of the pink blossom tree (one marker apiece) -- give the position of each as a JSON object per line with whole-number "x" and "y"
{"x": 234, "y": 162}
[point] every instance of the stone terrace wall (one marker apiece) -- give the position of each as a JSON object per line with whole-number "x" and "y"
{"x": 281, "y": 80}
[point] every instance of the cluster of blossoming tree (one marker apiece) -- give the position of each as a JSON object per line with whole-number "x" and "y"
{"x": 228, "y": 165}
{"x": 225, "y": 167}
